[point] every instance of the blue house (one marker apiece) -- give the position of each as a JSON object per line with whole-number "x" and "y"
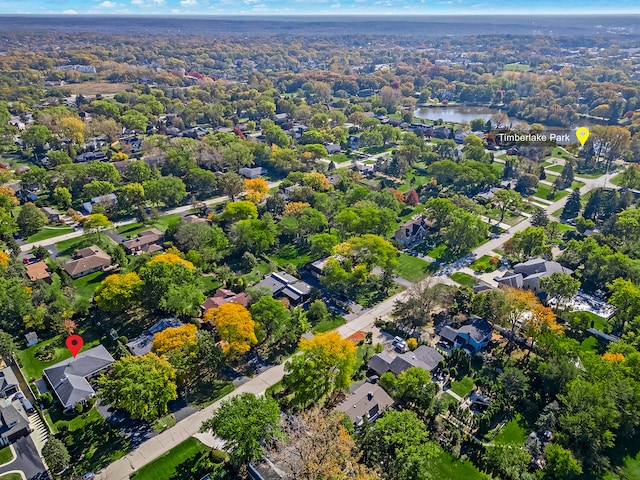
{"x": 472, "y": 336}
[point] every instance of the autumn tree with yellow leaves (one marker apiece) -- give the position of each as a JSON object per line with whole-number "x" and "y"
{"x": 327, "y": 361}
{"x": 174, "y": 338}
{"x": 257, "y": 189}
{"x": 118, "y": 292}
{"x": 235, "y": 327}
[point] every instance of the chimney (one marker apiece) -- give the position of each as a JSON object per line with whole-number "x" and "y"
{"x": 370, "y": 395}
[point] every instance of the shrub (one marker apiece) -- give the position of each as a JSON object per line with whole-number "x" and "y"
{"x": 218, "y": 456}
{"x": 412, "y": 343}
{"x": 45, "y": 353}
{"x": 79, "y": 408}
{"x": 46, "y": 398}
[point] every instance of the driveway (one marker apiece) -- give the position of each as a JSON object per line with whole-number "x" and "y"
{"x": 27, "y": 460}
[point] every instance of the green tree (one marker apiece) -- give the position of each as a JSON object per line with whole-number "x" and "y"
{"x": 317, "y": 312}
{"x": 134, "y": 120}
{"x": 198, "y": 236}
{"x": 55, "y": 454}
{"x": 252, "y": 235}
{"x": 56, "y": 157}
{"x": 97, "y": 188}
{"x": 464, "y": 232}
{"x": 96, "y": 223}
{"x": 36, "y": 136}
{"x": 322, "y": 244}
{"x": 240, "y": 210}
{"x": 7, "y": 345}
{"x": 560, "y": 286}
{"x": 507, "y": 200}
{"x": 509, "y": 463}
{"x": 131, "y": 196}
{"x": 560, "y": 463}
{"x": 231, "y": 184}
{"x": 30, "y": 219}
{"x": 272, "y": 318}
{"x": 530, "y": 242}
{"x": 62, "y": 196}
{"x": 168, "y": 190}
{"x": 413, "y": 389}
{"x": 573, "y": 206}
{"x": 245, "y": 422}
{"x": 137, "y": 171}
{"x": 142, "y": 386}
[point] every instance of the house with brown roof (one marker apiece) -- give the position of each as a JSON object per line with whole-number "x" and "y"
{"x": 223, "y": 296}
{"x": 368, "y": 401}
{"x": 38, "y": 271}
{"x": 145, "y": 242}
{"x": 413, "y": 231}
{"x": 86, "y": 261}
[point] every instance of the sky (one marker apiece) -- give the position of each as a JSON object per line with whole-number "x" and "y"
{"x": 318, "y": 7}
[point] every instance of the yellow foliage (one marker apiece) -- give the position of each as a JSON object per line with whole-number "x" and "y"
{"x": 257, "y": 189}
{"x": 234, "y": 325}
{"x": 295, "y": 208}
{"x": 328, "y": 345}
{"x": 174, "y": 339}
{"x": 4, "y": 259}
{"x": 412, "y": 343}
{"x": 171, "y": 258}
{"x": 73, "y": 128}
{"x": 613, "y": 357}
{"x": 525, "y": 305}
{"x": 8, "y": 192}
{"x": 119, "y": 156}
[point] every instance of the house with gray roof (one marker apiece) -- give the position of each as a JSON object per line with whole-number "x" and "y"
{"x": 473, "y": 335}
{"x": 8, "y": 382}
{"x": 282, "y": 284}
{"x": 14, "y": 424}
{"x": 423, "y": 357}
{"x": 368, "y": 401}
{"x": 69, "y": 379}
{"x": 527, "y": 274}
{"x": 142, "y": 344}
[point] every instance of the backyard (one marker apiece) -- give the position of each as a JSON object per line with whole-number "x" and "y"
{"x": 412, "y": 268}
{"x": 513, "y": 433}
{"x": 463, "y": 279}
{"x": 462, "y": 387}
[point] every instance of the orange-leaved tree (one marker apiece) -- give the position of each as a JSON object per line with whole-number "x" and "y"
{"x": 235, "y": 327}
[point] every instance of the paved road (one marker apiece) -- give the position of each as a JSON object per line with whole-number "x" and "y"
{"x": 27, "y": 460}
{"x": 50, "y": 241}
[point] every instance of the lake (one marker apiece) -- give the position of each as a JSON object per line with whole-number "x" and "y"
{"x": 457, "y": 114}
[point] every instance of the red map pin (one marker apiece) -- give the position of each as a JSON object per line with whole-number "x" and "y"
{"x": 74, "y": 344}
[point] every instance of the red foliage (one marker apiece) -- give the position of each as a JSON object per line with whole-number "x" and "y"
{"x": 411, "y": 198}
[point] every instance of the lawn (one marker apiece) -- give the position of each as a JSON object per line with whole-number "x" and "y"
{"x": 598, "y": 322}
{"x": 517, "y": 67}
{"x": 462, "y": 387}
{"x": 256, "y": 273}
{"x": 291, "y": 254}
{"x": 448, "y": 400}
{"x": 32, "y": 367}
{"x": 86, "y": 286}
{"x": 68, "y": 247}
{"x": 437, "y": 252}
{"x": 330, "y": 324}
{"x": 6, "y": 456}
{"x": 165, "y": 422}
{"x": 56, "y": 418}
{"x": 626, "y": 458}
{"x": 590, "y": 175}
{"x": 168, "y": 465}
{"x": 544, "y": 191}
{"x": 446, "y": 466}
{"x": 513, "y": 433}
{"x": 412, "y": 268}
{"x": 556, "y": 168}
{"x": 483, "y": 264}
{"x": 206, "y": 391}
{"x": 339, "y": 158}
{"x": 49, "y": 232}
{"x": 617, "y": 180}
{"x": 161, "y": 223}
{"x": 463, "y": 279}
{"x": 11, "y": 476}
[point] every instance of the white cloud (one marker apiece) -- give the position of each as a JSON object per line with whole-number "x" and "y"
{"x": 69, "y": 12}
{"x": 147, "y": 3}
{"x": 188, "y": 3}
{"x": 107, "y": 4}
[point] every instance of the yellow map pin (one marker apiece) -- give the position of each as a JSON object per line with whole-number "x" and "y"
{"x": 583, "y": 135}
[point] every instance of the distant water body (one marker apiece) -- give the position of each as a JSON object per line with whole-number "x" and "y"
{"x": 406, "y": 26}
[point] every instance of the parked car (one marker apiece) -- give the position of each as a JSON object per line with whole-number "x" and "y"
{"x": 88, "y": 476}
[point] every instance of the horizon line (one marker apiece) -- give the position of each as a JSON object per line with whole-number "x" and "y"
{"x": 324, "y": 14}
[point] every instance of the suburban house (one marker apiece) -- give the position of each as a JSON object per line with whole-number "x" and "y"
{"x": 193, "y": 219}
{"x": 528, "y": 274}
{"x": 8, "y": 382}
{"x": 472, "y": 336}
{"x": 143, "y": 343}
{"x": 223, "y": 296}
{"x": 38, "y": 271}
{"x": 86, "y": 261}
{"x": 284, "y": 285}
{"x": 413, "y": 231}
{"x": 53, "y": 215}
{"x": 98, "y": 156}
{"x": 332, "y": 148}
{"x": 105, "y": 200}
{"x": 14, "y": 424}
{"x": 146, "y": 242}
{"x": 253, "y": 172}
{"x": 69, "y": 379}
{"x": 316, "y": 269}
{"x": 280, "y": 118}
{"x": 31, "y": 338}
{"x": 368, "y": 401}
{"x": 422, "y": 357}
{"x": 460, "y": 135}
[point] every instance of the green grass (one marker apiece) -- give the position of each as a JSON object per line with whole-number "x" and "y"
{"x": 165, "y": 422}
{"x": 437, "y": 252}
{"x": 513, "y": 433}
{"x": 446, "y": 466}
{"x": 56, "y": 418}
{"x": 11, "y": 476}
{"x": 448, "y": 399}
{"x": 6, "y": 456}
{"x": 330, "y": 324}
{"x": 483, "y": 264}
{"x": 463, "y": 279}
{"x": 590, "y": 175}
{"x": 161, "y": 223}
{"x": 49, "y": 232}
{"x": 68, "y": 247}
{"x": 32, "y": 367}
{"x": 256, "y": 273}
{"x": 339, "y": 158}
{"x": 589, "y": 344}
{"x": 412, "y": 268}
{"x": 86, "y": 286}
{"x": 556, "y": 168}
{"x": 626, "y": 458}
{"x": 166, "y": 467}
{"x": 291, "y": 254}
{"x": 617, "y": 180}
{"x": 599, "y": 323}
{"x": 517, "y": 67}
{"x": 463, "y": 387}
{"x": 206, "y": 391}
{"x": 544, "y": 191}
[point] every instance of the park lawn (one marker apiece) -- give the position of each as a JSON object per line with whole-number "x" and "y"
{"x": 412, "y": 268}
{"x": 577, "y": 184}
{"x": 339, "y": 158}
{"x": 617, "y": 180}
{"x": 446, "y": 466}
{"x": 291, "y": 254}
{"x": 556, "y": 168}
{"x": 517, "y": 67}
{"x": 557, "y": 213}
{"x": 167, "y": 466}
{"x": 463, "y": 279}
{"x": 161, "y": 223}
{"x": 462, "y": 387}
{"x": 513, "y": 433}
{"x": 483, "y": 264}
{"x": 330, "y": 324}
{"x": 32, "y": 367}
{"x": 6, "y": 455}
{"x": 49, "y": 232}
{"x": 86, "y": 286}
